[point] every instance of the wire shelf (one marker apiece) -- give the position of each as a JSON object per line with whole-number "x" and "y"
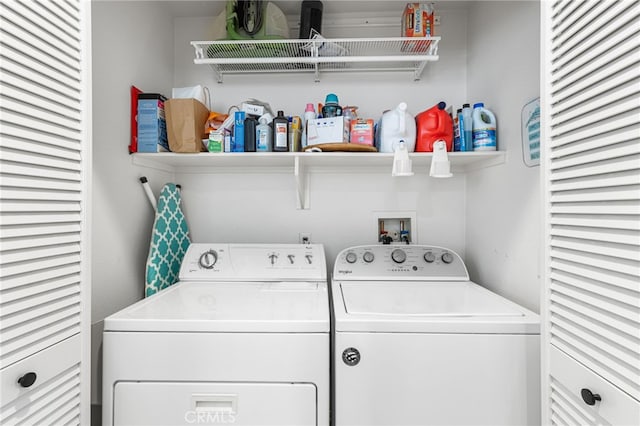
{"x": 317, "y": 55}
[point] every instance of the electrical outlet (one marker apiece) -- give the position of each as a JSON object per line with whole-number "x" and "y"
{"x": 436, "y": 20}
{"x": 304, "y": 238}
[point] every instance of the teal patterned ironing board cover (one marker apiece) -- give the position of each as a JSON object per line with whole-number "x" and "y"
{"x": 169, "y": 242}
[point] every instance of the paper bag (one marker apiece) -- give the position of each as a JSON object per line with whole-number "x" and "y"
{"x": 185, "y": 124}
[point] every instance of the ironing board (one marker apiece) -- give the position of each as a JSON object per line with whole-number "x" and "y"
{"x": 169, "y": 242}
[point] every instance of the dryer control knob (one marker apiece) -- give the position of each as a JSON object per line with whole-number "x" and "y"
{"x": 398, "y": 256}
{"x": 368, "y": 257}
{"x": 351, "y": 257}
{"x": 447, "y": 257}
{"x": 208, "y": 259}
{"x": 429, "y": 257}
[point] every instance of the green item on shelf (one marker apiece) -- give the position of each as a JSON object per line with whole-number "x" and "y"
{"x": 272, "y": 23}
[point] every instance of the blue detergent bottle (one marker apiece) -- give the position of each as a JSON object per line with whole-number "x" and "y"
{"x": 484, "y": 129}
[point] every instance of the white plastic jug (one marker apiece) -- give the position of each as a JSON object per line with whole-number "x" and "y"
{"x": 396, "y": 125}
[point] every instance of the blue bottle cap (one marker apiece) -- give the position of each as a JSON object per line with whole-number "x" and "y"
{"x": 442, "y": 105}
{"x": 331, "y": 99}
{"x": 479, "y": 105}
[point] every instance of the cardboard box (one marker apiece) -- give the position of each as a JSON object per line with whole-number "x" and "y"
{"x": 325, "y": 130}
{"x": 362, "y": 131}
{"x": 152, "y": 124}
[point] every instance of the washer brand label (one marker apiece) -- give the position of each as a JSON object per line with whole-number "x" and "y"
{"x": 345, "y": 271}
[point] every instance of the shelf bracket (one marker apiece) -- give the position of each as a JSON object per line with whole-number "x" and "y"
{"x": 217, "y": 73}
{"x": 419, "y": 69}
{"x": 302, "y": 184}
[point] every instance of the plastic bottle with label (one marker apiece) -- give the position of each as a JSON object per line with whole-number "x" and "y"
{"x": 237, "y": 144}
{"x": 484, "y": 129}
{"x": 309, "y": 114}
{"x": 466, "y": 128}
{"x": 331, "y": 107}
{"x": 349, "y": 113}
{"x": 456, "y": 130}
{"x": 280, "y": 133}
{"x": 263, "y": 135}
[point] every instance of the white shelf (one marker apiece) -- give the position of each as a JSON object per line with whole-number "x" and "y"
{"x": 317, "y": 56}
{"x": 301, "y": 163}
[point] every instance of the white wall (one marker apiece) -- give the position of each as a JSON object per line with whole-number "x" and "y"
{"x": 130, "y": 42}
{"x": 503, "y": 203}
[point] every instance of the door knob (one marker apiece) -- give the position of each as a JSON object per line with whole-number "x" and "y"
{"x": 589, "y": 398}
{"x": 28, "y": 379}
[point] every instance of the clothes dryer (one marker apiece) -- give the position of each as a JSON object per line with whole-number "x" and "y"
{"x": 242, "y": 338}
{"x": 418, "y": 343}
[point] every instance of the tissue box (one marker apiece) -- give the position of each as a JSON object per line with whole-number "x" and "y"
{"x": 325, "y": 130}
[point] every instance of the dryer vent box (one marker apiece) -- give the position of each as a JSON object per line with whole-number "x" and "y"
{"x": 395, "y": 230}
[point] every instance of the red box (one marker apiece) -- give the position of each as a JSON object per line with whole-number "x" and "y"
{"x": 362, "y": 131}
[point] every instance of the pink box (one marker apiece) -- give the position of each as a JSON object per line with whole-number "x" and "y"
{"x": 362, "y": 131}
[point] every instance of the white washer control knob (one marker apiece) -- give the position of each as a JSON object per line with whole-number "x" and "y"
{"x": 429, "y": 257}
{"x": 368, "y": 256}
{"x": 273, "y": 257}
{"x": 351, "y": 257}
{"x": 398, "y": 256}
{"x": 447, "y": 257}
{"x": 208, "y": 259}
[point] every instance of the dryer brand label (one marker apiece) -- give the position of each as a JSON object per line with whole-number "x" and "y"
{"x": 345, "y": 271}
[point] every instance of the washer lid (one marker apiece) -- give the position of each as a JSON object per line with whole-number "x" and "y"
{"x": 427, "y": 306}
{"x": 270, "y": 307}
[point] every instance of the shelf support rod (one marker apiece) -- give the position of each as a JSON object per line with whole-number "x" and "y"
{"x": 302, "y": 184}
{"x": 315, "y": 53}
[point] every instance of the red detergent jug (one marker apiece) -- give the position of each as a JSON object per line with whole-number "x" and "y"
{"x": 432, "y": 125}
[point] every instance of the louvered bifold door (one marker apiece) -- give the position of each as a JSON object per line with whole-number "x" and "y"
{"x": 43, "y": 160}
{"x": 591, "y": 80}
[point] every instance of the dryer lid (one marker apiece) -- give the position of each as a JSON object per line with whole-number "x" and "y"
{"x": 263, "y": 307}
{"x": 427, "y": 307}
{"x": 423, "y": 299}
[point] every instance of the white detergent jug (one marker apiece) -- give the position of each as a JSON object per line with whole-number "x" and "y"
{"x": 396, "y": 125}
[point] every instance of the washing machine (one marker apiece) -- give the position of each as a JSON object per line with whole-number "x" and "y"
{"x": 243, "y": 338}
{"x": 418, "y": 343}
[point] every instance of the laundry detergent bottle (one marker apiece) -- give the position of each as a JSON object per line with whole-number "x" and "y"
{"x": 396, "y": 125}
{"x": 432, "y": 125}
{"x": 484, "y": 129}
